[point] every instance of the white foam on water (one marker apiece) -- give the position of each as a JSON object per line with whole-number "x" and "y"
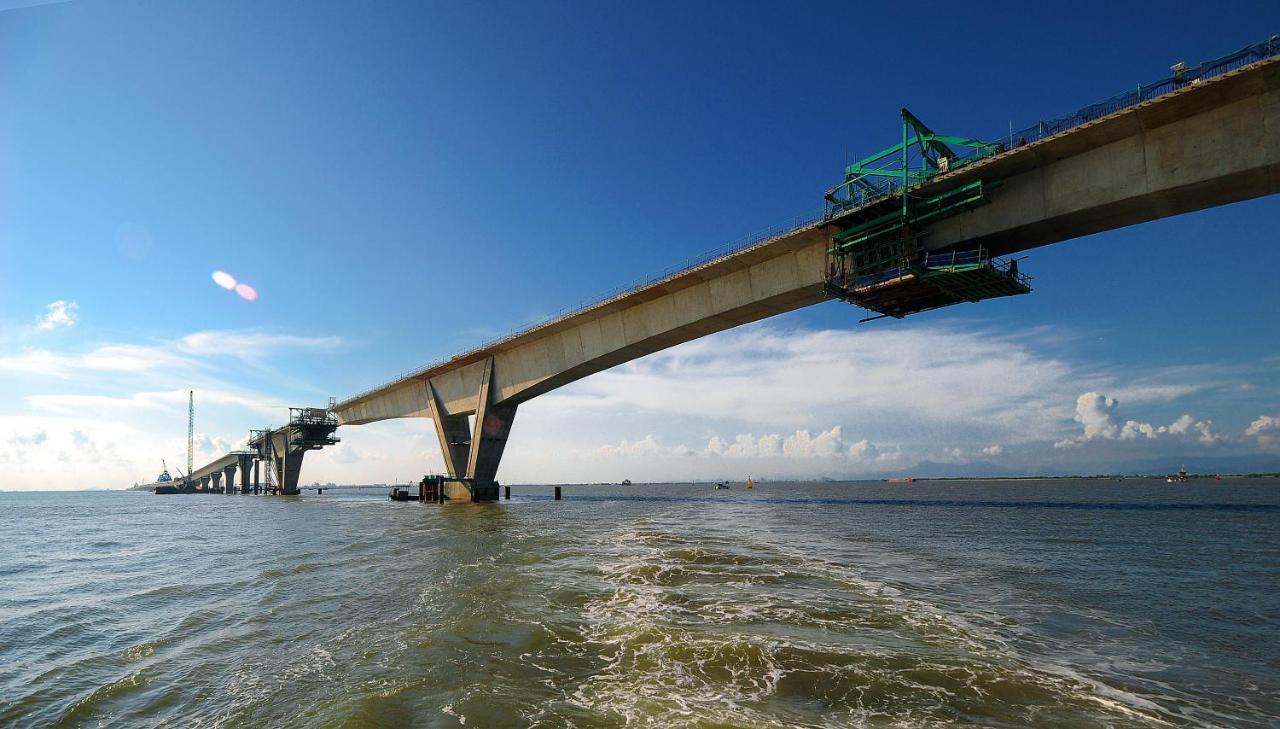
{"x": 686, "y": 641}
{"x": 985, "y": 643}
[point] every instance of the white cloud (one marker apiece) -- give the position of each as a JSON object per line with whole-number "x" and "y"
{"x": 1266, "y": 429}
{"x": 1097, "y": 414}
{"x": 746, "y": 445}
{"x": 141, "y": 359}
{"x": 864, "y": 451}
{"x": 984, "y": 393}
{"x": 1187, "y": 425}
{"x": 799, "y": 454}
{"x": 645, "y": 447}
{"x": 105, "y": 406}
{"x": 802, "y": 445}
{"x": 58, "y": 452}
{"x": 1141, "y": 393}
{"x": 1264, "y": 424}
{"x": 899, "y": 382}
{"x": 106, "y": 359}
{"x": 1100, "y": 417}
{"x": 58, "y": 315}
{"x": 139, "y": 393}
{"x": 36, "y": 438}
{"x": 252, "y": 344}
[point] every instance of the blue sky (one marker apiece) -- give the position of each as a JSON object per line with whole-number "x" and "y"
{"x": 400, "y": 181}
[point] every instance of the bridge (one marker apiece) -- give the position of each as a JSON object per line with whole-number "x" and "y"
{"x": 918, "y": 226}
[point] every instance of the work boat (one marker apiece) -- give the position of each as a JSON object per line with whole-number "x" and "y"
{"x": 164, "y": 483}
{"x": 720, "y": 485}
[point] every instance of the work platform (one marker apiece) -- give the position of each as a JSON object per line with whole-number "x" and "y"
{"x": 939, "y": 280}
{"x": 879, "y": 257}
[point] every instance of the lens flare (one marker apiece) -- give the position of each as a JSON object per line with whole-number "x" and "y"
{"x": 224, "y": 279}
{"x": 246, "y": 292}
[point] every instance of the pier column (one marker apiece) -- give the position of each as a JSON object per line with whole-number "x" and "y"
{"x": 451, "y": 430}
{"x": 290, "y": 465}
{"x": 216, "y": 479}
{"x": 246, "y": 462}
{"x": 204, "y": 482}
{"x": 471, "y": 455}
{"x": 230, "y": 472}
{"x": 489, "y": 438}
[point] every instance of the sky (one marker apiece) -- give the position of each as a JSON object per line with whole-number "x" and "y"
{"x": 399, "y": 182}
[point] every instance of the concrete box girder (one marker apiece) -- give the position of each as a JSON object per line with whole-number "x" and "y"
{"x": 1203, "y": 145}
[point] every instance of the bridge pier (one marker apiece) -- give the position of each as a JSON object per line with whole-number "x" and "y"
{"x": 245, "y": 462}
{"x": 472, "y": 458}
{"x": 230, "y": 472}
{"x": 290, "y": 467}
{"x": 282, "y": 448}
{"x": 216, "y": 479}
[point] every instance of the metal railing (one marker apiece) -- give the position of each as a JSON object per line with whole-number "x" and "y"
{"x": 1041, "y": 130}
{"x": 1147, "y": 92}
{"x": 948, "y": 261}
{"x": 951, "y": 259}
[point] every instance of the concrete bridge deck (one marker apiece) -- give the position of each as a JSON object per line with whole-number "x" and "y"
{"x": 1205, "y": 144}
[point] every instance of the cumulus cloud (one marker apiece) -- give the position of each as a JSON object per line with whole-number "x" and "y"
{"x": 58, "y": 315}
{"x": 746, "y": 445}
{"x": 798, "y": 445}
{"x": 1100, "y": 417}
{"x": 208, "y": 445}
{"x": 993, "y": 450}
{"x": 646, "y": 446}
{"x": 864, "y": 451}
{"x": 796, "y": 454}
{"x": 42, "y": 446}
{"x": 35, "y": 438}
{"x": 1266, "y": 429}
{"x": 802, "y": 445}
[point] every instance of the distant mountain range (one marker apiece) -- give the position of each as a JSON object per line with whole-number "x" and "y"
{"x": 1254, "y": 463}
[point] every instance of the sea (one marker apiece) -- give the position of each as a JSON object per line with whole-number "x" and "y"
{"x": 1071, "y": 603}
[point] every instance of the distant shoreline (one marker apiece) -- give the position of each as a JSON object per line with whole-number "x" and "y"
{"x": 895, "y": 481}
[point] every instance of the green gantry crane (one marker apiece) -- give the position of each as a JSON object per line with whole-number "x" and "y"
{"x": 877, "y": 258}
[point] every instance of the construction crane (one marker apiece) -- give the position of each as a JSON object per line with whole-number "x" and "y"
{"x": 191, "y": 427}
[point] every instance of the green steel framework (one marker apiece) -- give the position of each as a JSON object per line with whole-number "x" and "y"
{"x": 876, "y": 259}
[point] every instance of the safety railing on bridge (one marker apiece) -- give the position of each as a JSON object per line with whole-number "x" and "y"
{"x": 1181, "y": 78}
